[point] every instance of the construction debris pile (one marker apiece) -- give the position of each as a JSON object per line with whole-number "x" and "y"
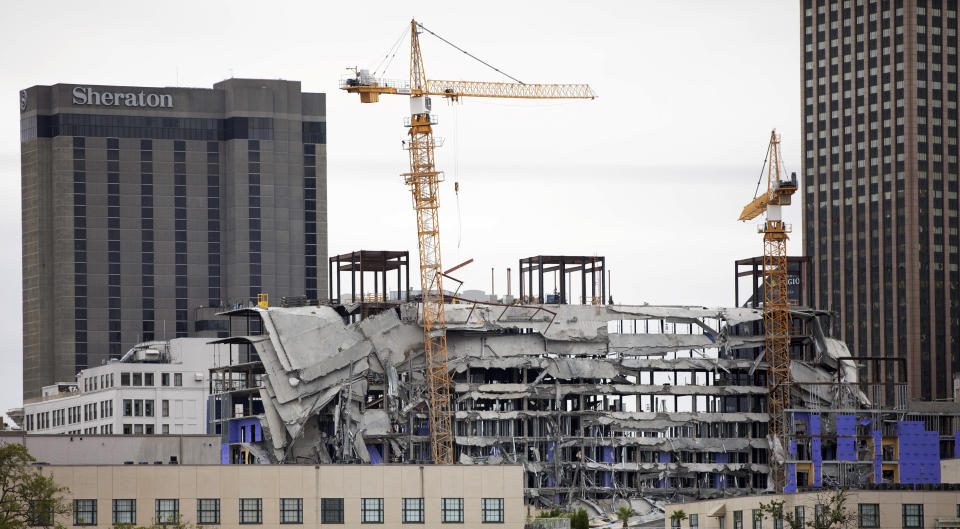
{"x": 597, "y": 402}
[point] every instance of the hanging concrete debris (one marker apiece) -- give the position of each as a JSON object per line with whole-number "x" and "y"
{"x": 597, "y": 402}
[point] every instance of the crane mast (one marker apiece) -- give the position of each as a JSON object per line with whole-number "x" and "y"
{"x": 776, "y": 305}
{"x": 424, "y": 183}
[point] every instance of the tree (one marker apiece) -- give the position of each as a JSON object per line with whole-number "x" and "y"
{"x": 830, "y": 512}
{"x": 677, "y": 517}
{"x": 624, "y": 514}
{"x": 579, "y": 520}
{"x": 27, "y": 496}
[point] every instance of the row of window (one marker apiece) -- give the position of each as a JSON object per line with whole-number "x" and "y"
{"x": 868, "y": 516}
{"x": 147, "y": 379}
{"x": 143, "y": 429}
{"x": 250, "y": 511}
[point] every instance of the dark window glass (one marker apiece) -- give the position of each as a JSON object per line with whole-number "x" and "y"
{"x": 331, "y": 510}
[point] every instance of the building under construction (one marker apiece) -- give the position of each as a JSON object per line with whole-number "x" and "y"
{"x": 597, "y": 402}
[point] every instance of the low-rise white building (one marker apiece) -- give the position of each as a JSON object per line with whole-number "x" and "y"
{"x": 156, "y": 388}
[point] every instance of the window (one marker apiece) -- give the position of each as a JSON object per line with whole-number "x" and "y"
{"x": 148, "y": 379}
{"x": 869, "y": 515}
{"x": 138, "y": 379}
{"x": 164, "y": 379}
{"x": 84, "y": 512}
{"x": 331, "y": 510}
{"x": 912, "y": 515}
{"x": 757, "y": 519}
{"x": 124, "y": 379}
{"x": 164, "y": 408}
{"x": 675, "y": 523}
{"x": 251, "y": 510}
{"x": 124, "y": 511}
{"x": 413, "y": 510}
{"x": 178, "y": 379}
{"x": 818, "y": 514}
{"x": 451, "y": 510}
{"x": 208, "y": 511}
{"x": 371, "y": 510}
{"x": 168, "y": 511}
{"x": 778, "y": 523}
{"x": 41, "y": 514}
{"x": 291, "y": 510}
{"x": 148, "y": 408}
{"x": 492, "y": 510}
{"x": 798, "y": 515}
{"x": 721, "y": 522}
{"x": 737, "y": 519}
{"x": 694, "y": 521}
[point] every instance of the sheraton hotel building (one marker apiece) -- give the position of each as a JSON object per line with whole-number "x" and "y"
{"x": 147, "y": 209}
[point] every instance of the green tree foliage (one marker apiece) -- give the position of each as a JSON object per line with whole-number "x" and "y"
{"x": 179, "y": 524}
{"x": 624, "y": 514}
{"x": 830, "y": 512}
{"x": 27, "y": 496}
{"x": 579, "y": 520}
{"x": 677, "y": 517}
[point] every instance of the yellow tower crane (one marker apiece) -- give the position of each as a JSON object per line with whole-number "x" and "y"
{"x": 776, "y": 310}
{"x": 423, "y": 180}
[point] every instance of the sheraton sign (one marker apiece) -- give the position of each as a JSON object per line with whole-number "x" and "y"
{"x": 88, "y": 96}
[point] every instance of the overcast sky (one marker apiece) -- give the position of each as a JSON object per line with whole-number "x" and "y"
{"x": 652, "y": 175}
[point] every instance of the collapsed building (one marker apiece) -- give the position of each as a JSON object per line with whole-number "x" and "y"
{"x": 597, "y": 402}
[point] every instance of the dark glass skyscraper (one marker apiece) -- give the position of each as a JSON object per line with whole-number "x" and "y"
{"x": 143, "y": 205}
{"x": 880, "y": 218}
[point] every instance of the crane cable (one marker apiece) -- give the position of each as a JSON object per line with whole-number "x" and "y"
{"x": 391, "y": 54}
{"x": 468, "y": 54}
{"x": 456, "y": 173}
{"x": 765, "y": 158}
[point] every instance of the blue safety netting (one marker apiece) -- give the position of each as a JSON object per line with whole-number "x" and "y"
{"x": 919, "y": 453}
{"x": 816, "y": 449}
{"x": 846, "y": 446}
{"x": 877, "y": 455}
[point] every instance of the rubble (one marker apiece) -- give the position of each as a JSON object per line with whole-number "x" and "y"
{"x": 597, "y": 402}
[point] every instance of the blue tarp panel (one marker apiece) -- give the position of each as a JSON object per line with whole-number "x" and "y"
{"x": 791, "y": 484}
{"x": 919, "y": 453}
{"x": 877, "y": 455}
{"x": 375, "y": 455}
{"x": 846, "y": 446}
{"x": 238, "y": 431}
{"x": 816, "y": 449}
{"x": 224, "y": 454}
{"x": 607, "y": 456}
{"x": 956, "y": 444}
{"x": 720, "y": 480}
{"x": 664, "y": 458}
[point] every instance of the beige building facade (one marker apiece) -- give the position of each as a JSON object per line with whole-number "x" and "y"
{"x": 874, "y": 509}
{"x": 267, "y": 496}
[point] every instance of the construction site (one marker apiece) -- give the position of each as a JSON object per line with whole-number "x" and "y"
{"x": 600, "y": 403}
